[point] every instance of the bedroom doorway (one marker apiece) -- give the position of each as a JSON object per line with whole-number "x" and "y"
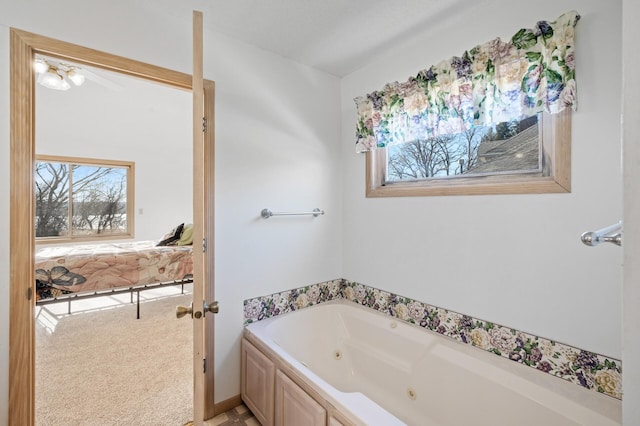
{"x": 119, "y": 355}
{"x": 24, "y": 47}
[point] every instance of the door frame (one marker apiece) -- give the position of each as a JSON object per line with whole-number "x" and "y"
{"x": 24, "y": 47}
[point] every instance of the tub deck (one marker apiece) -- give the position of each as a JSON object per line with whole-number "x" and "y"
{"x": 402, "y": 374}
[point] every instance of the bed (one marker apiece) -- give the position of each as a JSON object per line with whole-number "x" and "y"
{"x": 66, "y": 273}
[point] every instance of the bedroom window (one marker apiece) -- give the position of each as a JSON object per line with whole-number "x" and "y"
{"x": 85, "y": 199}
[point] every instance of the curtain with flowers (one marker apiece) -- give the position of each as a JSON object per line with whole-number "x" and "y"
{"x": 492, "y": 83}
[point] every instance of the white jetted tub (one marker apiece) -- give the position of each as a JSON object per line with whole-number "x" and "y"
{"x": 377, "y": 370}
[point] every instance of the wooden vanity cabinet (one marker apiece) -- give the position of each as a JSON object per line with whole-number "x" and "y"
{"x": 337, "y": 420}
{"x": 277, "y": 396}
{"x": 294, "y": 407}
{"x": 257, "y": 389}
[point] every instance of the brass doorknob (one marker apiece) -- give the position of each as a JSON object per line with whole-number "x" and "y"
{"x": 183, "y": 310}
{"x": 213, "y": 308}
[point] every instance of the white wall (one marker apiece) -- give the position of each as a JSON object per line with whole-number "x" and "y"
{"x": 277, "y": 146}
{"x": 143, "y": 122}
{"x": 631, "y": 130}
{"x": 516, "y": 260}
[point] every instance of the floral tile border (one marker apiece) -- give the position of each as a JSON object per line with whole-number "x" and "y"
{"x": 581, "y": 367}
{"x": 584, "y": 368}
{"x": 272, "y": 305}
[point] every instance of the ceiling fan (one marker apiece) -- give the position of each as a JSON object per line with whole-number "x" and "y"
{"x": 58, "y": 75}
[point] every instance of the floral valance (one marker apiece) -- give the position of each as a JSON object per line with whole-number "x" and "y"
{"x": 492, "y": 83}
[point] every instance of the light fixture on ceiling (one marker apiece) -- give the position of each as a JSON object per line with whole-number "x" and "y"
{"x": 55, "y": 75}
{"x": 75, "y": 77}
{"x": 40, "y": 66}
{"x": 52, "y": 79}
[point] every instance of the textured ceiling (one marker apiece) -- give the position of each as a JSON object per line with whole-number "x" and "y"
{"x": 336, "y": 36}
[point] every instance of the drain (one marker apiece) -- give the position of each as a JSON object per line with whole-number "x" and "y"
{"x": 337, "y": 354}
{"x": 411, "y": 394}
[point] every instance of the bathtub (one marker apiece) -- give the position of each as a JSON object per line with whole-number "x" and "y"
{"x": 377, "y": 370}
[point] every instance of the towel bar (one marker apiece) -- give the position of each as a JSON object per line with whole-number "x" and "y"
{"x": 266, "y": 213}
{"x": 610, "y": 234}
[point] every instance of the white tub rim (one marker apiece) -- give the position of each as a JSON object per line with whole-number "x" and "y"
{"x": 257, "y": 333}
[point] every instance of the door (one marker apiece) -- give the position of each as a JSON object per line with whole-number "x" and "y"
{"x": 203, "y": 307}
{"x": 24, "y": 46}
{"x": 293, "y": 406}
{"x": 257, "y": 383}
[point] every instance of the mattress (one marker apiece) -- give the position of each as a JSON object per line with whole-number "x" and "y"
{"x": 73, "y": 269}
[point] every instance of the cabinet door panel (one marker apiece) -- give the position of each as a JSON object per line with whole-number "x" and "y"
{"x": 335, "y": 422}
{"x": 294, "y": 407}
{"x": 258, "y": 374}
{"x": 337, "y": 419}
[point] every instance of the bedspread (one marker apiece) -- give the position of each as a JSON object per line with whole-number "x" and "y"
{"x": 73, "y": 269}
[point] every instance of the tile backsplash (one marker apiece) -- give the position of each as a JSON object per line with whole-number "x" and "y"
{"x": 584, "y": 368}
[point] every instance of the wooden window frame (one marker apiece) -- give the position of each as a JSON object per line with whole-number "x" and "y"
{"x": 130, "y": 231}
{"x": 555, "y": 176}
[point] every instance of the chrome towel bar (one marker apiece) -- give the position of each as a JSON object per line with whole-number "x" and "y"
{"x": 266, "y": 213}
{"x": 610, "y": 234}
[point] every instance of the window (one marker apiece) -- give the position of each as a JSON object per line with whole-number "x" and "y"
{"x": 467, "y": 124}
{"x": 83, "y": 199}
{"x": 509, "y": 147}
{"x": 480, "y": 161}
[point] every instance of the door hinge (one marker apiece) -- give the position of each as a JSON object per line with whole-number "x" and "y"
{"x": 204, "y": 365}
{"x": 204, "y": 124}
{"x": 29, "y": 293}
{"x": 204, "y": 245}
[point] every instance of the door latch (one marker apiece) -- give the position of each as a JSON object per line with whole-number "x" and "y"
{"x": 184, "y": 310}
{"x": 213, "y": 308}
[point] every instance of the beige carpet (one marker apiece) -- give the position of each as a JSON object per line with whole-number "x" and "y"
{"x": 101, "y": 366}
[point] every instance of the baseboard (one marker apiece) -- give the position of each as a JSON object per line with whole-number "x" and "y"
{"x": 226, "y": 405}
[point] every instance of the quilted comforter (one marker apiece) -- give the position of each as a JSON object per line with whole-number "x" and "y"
{"x": 74, "y": 269}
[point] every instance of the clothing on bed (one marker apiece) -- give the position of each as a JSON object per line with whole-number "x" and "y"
{"x": 173, "y": 236}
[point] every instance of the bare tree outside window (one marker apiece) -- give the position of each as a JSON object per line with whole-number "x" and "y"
{"x": 52, "y": 199}
{"x": 80, "y": 200}
{"x": 508, "y": 147}
{"x": 99, "y": 195}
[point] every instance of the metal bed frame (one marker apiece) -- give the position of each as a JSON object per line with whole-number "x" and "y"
{"x": 99, "y": 293}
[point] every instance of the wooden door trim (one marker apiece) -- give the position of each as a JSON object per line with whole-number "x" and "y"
{"x": 209, "y": 256}
{"x": 95, "y": 58}
{"x": 198, "y": 222}
{"x": 24, "y": 47}
{"x": 21, "y": 236}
